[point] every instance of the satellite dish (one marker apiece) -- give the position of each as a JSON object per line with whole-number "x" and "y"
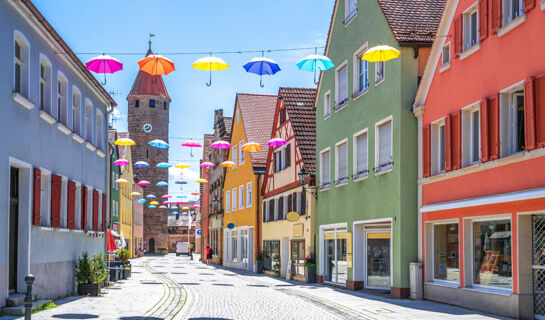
{"x": 230, "y": 225}
{"x": 292, "y": 216}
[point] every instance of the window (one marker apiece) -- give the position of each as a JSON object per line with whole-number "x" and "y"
{"x": 446, "y": 257}
{"x": 341, "y": 162}
{"x": 361, "y": 72}
{"x": 234, "y": 154}
{"x": 265, "y": 211}
{"x": 244, "y": 245}
{"x": 512, "y": 9}
{"x": 241, "y": 197}
{"x": 45, "y": 199}
{"x": 471, "y": 27}
{"x": 279, "y": 208}
{"x": 325, "y": 169}
{"x": 379, "y": 71}
{"x": 100, "y": 129}
{"x": 152, "y": 103}
{"x": 234, "y": 246}
{"x": 45, "y": 85}
{"x": 512, "y": 121}
{"x": 341, "y": 86}
{"x": 234, "y": 199}
{"x": 21, "y": 65}
{"x": 227, "y": 201}
{"x": 88, "y": 120}
{"x": 360, "y": 155}
{"x": 438, "y": 147}
{"x": 62, "y": 101}
{"x": 471, "y": 145}
{"x": 327, "y": 104}
{"x": 283, "y": 117}
{"x": 282, "y": 158}
{"x": 137, "y": 103}
{"x": 76, "y": 110}
{"x": 271, "y": 248}
{"x": 383, "y": 148}
{"x": 248, "y": 194}
{"x": 272, "y": 210}
{"x": 165, "y": 105}
{"x": 350, "y": 10}
{"x": 446, "y": 54}
{"x": 241, "y": 155}
{"x": 492, "y": 263}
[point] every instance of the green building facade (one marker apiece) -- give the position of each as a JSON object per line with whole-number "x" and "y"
{"x": 114, "y": 187}
{"x": 366, "y": 144}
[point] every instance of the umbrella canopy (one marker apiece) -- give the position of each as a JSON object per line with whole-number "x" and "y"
{"x": 195, "y": 193}
{"x": 141, "y": 164}
{"x": 315, "y": 63}
{"x": 103, "y": 64}
{"x": 261, "y": 66}
{"x": 185, "y": 208}
{"x": 174, "y": 208}
{"x": 154, "y": 203}
{"x": 161, "y": 184}
{"x": 155, "y": 64}
{"x": 166, "y": 196}
{"x": 181, "y": 165}
{"x": 121, "y": 180}
{"x": 196, "y": 206}
{"x": 111, "y": 242}
{"x": 143, "y": 183}
{"x": 134, "y": 193}
{"x": 276, "y": 142}
{"x": 191, "y": 143}
{"x": 251, "y": 147}
{"x": 162, "y": 207}
{"x": 121, "y": 162}
{"x": 163, "y": 165}
{"x": 201, "y": 181}
{"x": 380, "y": 53}
{"x": 151, "y": 196}
{"x": 207, "y": 165}
{"x": 221, "y": 145}
{"x": 152, "y": 206}
{"x": 141, "y": 201}
{"x": 228, "y": 164}
{"x": 159, "y": 144}
{"x": 210, "y": 64}
{"x": 124, "y": 142}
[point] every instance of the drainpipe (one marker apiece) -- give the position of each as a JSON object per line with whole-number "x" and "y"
{"x": 418, "y": 111}
{"x": 257, "y": 229}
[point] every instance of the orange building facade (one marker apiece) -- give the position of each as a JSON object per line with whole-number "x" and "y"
{"x": 481, "y": 118}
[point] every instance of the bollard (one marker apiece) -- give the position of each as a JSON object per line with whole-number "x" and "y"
{"x": 29, "y": 280}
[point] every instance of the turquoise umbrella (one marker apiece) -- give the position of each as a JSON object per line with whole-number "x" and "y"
{"x": 152, "y": 207}
{"x": 141, "y": 201}
{"x": 161, "y": 184}
{"x": 159, "y": 144}
{"x": 163, "y": 165}
{"x": 315, "y": 63}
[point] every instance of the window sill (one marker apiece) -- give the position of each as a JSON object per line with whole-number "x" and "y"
{"x": 77, "y": 138}
{"x": 63, "y": 230}
{"x": 341, "y": 106}
{"x": 360, "y": 177}
{"x": 23, "y": 101}
{"x": 350, "y": 19}
{"x": 90, "y": 146}
{"x": 501, "y": 292}
{"x": 100, "y": 153}
{"x": 62, "y": 128}
{"x": 47, "y": 117}
{"x": 77, "y": 231}
{"x": 445, "y": 67}
{"x": 325, "y": 187}
{"x": 341, "y": 184}
{"x": 383, "y": 171}
{"x": 357, "y": 95}
{"x": 327, "y": 117}
{"x": 511, "y": 25}
{"x": 46, "y": 228}
{"x": 378, "y": 83}
{"x": 441, "y": 283}
{"x": 468, "y": 52}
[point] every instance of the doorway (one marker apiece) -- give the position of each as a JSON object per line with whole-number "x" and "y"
{"x": 378, "y": 259}
{"x": 151, "y": 245}
{"x": 13, "y": 228}
{"x": 538, "y": 265}
{"x": 298, "y": 258}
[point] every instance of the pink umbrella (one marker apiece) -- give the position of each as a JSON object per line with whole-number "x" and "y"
{"x": 221, "y": 145}
{"x": 104, "y": 64}
{"x": 167, "y": 202}
{"x": 121, "y": 162}
{"x": 143, "y": 183}
{"x": 207, "y": 165}
{"x": 276, "y": 142}
{"x": 196, "y": 206}
{"x": 162, "y": 207}
{"x": 191, "y": 143}
{"x": 166, "y": 196}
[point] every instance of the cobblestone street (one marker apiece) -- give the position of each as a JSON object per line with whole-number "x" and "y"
{"x": 176, "y": 288}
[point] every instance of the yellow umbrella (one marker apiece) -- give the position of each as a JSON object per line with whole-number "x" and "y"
{"x": 181, "y": 165}
{"x": 210, "y": 64}
{"x": 380, "y": 53}
{"x": 134, "y": 193}
{"x": 155, "y": 64}
{"x": 124, "y": 142}
{"x": 251, "y": 147}
{"x": 201, "y": 181}
{"x": 121, "y": 180}
{"x": 185, "y": 208}
{"x": 228, "y": 164}
{"x": 154, "y": 203}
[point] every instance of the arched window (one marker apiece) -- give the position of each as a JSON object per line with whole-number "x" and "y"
{"x": 45, "y": 84}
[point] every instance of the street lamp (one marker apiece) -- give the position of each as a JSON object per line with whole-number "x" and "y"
{"x": 304, "y": 178}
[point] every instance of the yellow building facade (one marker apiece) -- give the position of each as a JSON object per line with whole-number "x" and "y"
{"x": 125, "y": 199}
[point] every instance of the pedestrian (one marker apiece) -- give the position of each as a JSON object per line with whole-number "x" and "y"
{"x": 191, "y": 251}
{"x": 208, "y": 255}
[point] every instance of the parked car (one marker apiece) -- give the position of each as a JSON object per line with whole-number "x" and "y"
{"x": 182, "y": 248}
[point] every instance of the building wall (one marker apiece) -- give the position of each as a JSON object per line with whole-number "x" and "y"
{"x": 114, "y": 190}
{"x": 125, "y": 205}
{"x": 137, "y": 220}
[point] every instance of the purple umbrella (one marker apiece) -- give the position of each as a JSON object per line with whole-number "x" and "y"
{"x": 276, "y": 142}
{"x": 221, "y": 145}
{"x": 104, "y": 64}
{"x": 207, "y": 165}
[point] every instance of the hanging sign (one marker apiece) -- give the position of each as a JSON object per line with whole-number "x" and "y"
{"x": 230, "y": 225}
{"x": 292, "y": 216}
{"x": 147, "y": 128}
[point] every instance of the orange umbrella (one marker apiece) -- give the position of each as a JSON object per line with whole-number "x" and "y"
{"x": 251, "y": 147}
{"x": 155, "y": 64}
{"x": 228, "y": 164}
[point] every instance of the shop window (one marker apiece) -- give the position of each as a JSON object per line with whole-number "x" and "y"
{"x": 244, "y": 245}
{"x": 446, "y": 257}
{"x": 271, "y": 248}
{"x": 336, "y": 268}
{"x": 234, "y": 246}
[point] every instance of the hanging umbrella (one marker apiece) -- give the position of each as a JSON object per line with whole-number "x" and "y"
{"x": 141, "y": 201}
{"x": 150, "y": 196}
{"x": 166, "y": 196}
{"x": 161, "y": 184}
{"x": 195, "y": 193}
{"x": 181, "y": 165}
{"x": 159, "y": 144}
{"x": 380, "y": 53}
{"x": 134, "y": 193}
{"x": 251, "y": 147}
{"x": 174, "y": 208}
{"x": 163, "y": 165}
{"x": 174, "y": 212}
{"x": 103, "y": 64}
{"x": 162, "y": 207}
{"x": 155, "y": 64}
{"x": 111, "y": 242}
{"x": 221, "y": 145}
{"x": 276, "y": 142}
{"x": 207, "y": 165}
{"x": 315, "y": 63}
{"x": 152, "y": 206}
{"x": 154, "y": 203}
{"x": 196, "y": 206}
{"x": 143, "y": 183}
{"x": 124, "y": 142}
{"x": 228, "y": 164}
{"x": 201, "y": 181}
{"x": 210, "y": 64}
{"x": 121, "y": 162}
{"x": 121, "y": 180}
{"x": 192, "y": 144}
{"x": 141, "y": 164}
{"x": 261, "y": 66}
{"x": 185, "y": 208}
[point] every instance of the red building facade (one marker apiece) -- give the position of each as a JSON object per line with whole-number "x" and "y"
{"x": 481, "y": 116}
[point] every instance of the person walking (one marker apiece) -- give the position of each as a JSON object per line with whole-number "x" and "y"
{"x": 208, "y": 255}
{"x": 191, "y": 251}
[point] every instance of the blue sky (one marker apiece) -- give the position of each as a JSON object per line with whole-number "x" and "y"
{"x": 122, "y": 26}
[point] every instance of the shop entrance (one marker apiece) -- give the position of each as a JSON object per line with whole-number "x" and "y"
{"x": 13, "y": 228}
{"x": 538, "y": 264}
{"x": 377, "y": 259}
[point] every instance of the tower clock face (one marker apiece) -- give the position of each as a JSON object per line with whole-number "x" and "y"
{"x": 147, "y": 128}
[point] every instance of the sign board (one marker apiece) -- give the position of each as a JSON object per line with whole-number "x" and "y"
{"x": 292, "y": 216}
{"x": 230, "y": 225}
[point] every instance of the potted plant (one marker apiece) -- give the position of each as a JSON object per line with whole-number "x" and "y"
{"x": 123, "y": 255}
{"x": 90, "y": 273}
{"x": 310, "y": 270}
{"x": 259, "y": 263}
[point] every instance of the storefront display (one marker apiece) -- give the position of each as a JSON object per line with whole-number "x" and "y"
{"x": 446, "y": 264}
{"x": 492, "y": 253}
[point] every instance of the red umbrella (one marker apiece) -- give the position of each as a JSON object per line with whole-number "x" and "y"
{"x": 111, "y": 242}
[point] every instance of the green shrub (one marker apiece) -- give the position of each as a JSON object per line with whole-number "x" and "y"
{"x": 83, "y": 268}
{"x": 91, "y": 270}
{"x": 123, "y": 255}
{"x": 45, "y": 306}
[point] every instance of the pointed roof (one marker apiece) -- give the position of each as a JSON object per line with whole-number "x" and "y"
{"x": 147, "y": 84}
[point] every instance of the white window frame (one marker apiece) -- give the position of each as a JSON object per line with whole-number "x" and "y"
{"x": 507, "y": 11}
{"x": 508, "y": 120}
{"x": 349, "y": 15}
{"x": 328, "y": 149}
{"x": 249, "y": 195}
{"x": 377, "y": 144}
{"x": 234, "y": 199}
{"x": 338, "y": 104}
{"x": 337, "y": 177}
{"x": 466, "y": 17}
{"x": 379, "y": 78}
{"x": 276, "y": 209}
{"x": 47, "y": 97}
{"x": 227, "y": 201}
{"x": 76, "y": 110}
{"x": 20, "y": 38}
{"x": 299, "y": 201}
{"x": 445, "y": 64}
{"x": 89, "y": 120}
{"x": 241, "y": 197}
{"x": 356, "y": 57}
{"x": 436, "y": 146}
{"x": 327, "y": 104}
{"x": 234, "y": 154}
{"x": 356, "y": 175}
{"x": 468, "y": 134}
{"x": 62, "y": 98}
{"x": 241, "y": 152}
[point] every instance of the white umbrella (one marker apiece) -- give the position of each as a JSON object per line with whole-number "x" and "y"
{"x": 123, "y": 243}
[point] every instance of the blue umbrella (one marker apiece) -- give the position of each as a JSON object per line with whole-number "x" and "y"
{"x": 152, "y": 207}
{"x": 159, "y": 144}
{"x": 261, "y": 66}
{"x": 150, "y": 196}
{"x": 315, "y": 63}
{"x": 141, "y": 201}
{"x": 174, "y": 212}
{"x": 161, "y": 184}
{"x": 141, "y": 164}
{"x": 163, "y": 165}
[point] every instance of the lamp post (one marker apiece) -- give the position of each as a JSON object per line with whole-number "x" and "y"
{"x": 304, "y": 178}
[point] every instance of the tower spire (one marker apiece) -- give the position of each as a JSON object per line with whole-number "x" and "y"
{"x": 149, "y": 44}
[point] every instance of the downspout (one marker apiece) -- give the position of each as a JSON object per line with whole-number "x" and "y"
{"x": 257, "y": 221}
{"x": 418, "y": 111}
{"x": 109, "y": 111}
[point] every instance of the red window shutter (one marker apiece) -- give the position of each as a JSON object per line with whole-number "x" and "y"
{"x": 56, "y": 182}
{"x": 539, "y": 96}
{"x": 529, "y": 5}
{"x": 426, "y": 161}
{"x": 483, "y": 19}
{"x": 71, "y": 205}
{"x": 104, "y": 212}
{"x": 83, "y": 208}
{"x": 529, "y": 115}
{"x": 456, "y": 140}
{"x": 458, "y": 35}
{"x": 483, "y": 111}
{"x": 37, "y": 194}
{"x": 448, "y": 143}
{"x": 95, "y": 210}
{"x": 494, "y": 127}
{"x": 495, "y": 14}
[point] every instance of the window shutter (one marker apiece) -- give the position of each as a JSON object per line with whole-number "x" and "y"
{"x": 458, "y": 33}
{"x": 456, "y": 140}
{"x": 483, "y": 19}
{"x": 529, "y": 5}
{"x": 280, "y": 208}
{"x": 288, "y": 155}
{"x": 56, "y": 182}
{"x": 83, "y": 208}
{"x": 385, "y": 144}
{"x": 494, "y": 127}
{"x": 104, "y": 212}
{"x": 483, "y": 110}
{"x": 361, "y": 153}
{"x": 539, "y": 95}
{"x": 264, "y": 211}
{"x": 271, "y": 210}
{"x": 529, "y": 115}
{"x": 426, "y": 155}
{"x": 495, "y": 14}
{"x": 295, "y": 198}
{"x": 290, "y": 203}
{"x": 448, "y": 143}
{"x": 303, "y": 203}
{"x": 95, "y": 210}
{"x": 71, "y": 204}
{"x": 37, "y": 194}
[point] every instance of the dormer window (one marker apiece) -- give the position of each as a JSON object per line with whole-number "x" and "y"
{"x": 151, "y": 103}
